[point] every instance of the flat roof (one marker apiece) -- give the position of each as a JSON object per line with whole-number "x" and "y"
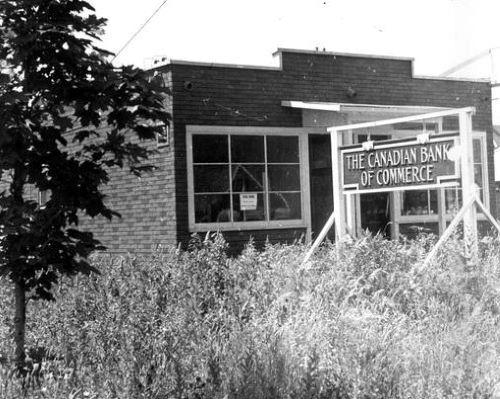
{"x": 168, "y": 61}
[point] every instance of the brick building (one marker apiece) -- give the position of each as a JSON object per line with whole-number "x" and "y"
{"x": 248, "y": 152}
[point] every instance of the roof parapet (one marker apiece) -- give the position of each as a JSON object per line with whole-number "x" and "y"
{"x": 280, "y": 50}
{"x": 165, "y": 62}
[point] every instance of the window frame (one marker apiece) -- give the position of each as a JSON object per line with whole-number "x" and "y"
{"x": 303, "y": 163}
{"x": 440, "y": 218}
{"x": 435, "y": 218}
{"x": 163, "y": 138}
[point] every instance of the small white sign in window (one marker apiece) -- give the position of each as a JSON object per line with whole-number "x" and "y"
{"x": 248, "y": 202}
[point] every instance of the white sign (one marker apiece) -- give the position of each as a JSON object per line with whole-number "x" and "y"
{"x": 248, "y": 202}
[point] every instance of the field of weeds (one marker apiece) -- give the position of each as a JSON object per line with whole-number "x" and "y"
{"x": 358, "y": 321}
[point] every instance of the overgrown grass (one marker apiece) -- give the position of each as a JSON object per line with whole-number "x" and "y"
{"x": 357, "y": 322}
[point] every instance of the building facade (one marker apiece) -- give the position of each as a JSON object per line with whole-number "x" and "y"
{"x": 248, "y": 152}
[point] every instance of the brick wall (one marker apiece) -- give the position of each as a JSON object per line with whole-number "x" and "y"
{"x": 146, "y": 204}
{"x": 217, "y": 95}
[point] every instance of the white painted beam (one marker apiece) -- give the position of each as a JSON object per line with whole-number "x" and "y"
{"x": 468, "y": 184}
{"x": 352, "y": 107}
{"x": 338, "y": 198}
{"x": 309, "y": 105}
{"x": 403, "y": 119}
{"x": 324, "y": 231}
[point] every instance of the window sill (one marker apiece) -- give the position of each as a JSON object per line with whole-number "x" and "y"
{"x": 407, "y": 219}
{"x": 418, "y": 219}
{"x": 245, "y": 226}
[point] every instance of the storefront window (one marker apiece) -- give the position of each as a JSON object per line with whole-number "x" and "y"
{"x": 453, "y": 196}
{"x": 453, "y": 200}
{"x": 426, "y": 202}
{"x": 246, "y": 178}
{"x": 424, "y": 206}
{"x": 420, "y": 202}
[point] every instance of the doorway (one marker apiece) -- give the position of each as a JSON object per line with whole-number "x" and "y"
{"x": 373, "y": 209}
{"x": 375, "y": 212}
{"x": 321, "y": 184}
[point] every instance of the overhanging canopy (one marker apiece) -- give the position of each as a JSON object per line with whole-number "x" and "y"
{"x": 362, "y": 109}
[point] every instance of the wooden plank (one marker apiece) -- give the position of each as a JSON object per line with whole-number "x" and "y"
{"x": 469, "y": 188}
{"x": 324, "y": 231}
{"x": 447, "y": 233}
{"x": 338, "y": 198}
{"x": 488, "y": 215}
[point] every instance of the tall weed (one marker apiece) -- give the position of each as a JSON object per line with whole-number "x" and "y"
{"x": 358, "y": 321}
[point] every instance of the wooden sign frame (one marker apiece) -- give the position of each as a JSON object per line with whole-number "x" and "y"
{"x": 466, "y": 175}
{"x": 441, "y": 181}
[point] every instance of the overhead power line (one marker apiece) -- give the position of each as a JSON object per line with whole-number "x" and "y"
{"x": 465, "y": 63}
{"x": 477, "y": 57}
{"x": 139, "y": 30}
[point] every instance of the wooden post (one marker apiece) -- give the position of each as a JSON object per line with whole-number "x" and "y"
{"x": 468, "y": 185}
{"x": 350, "y": 220}
{"x": 349, "y": 200}
{"x": 449, "y": 230}
{"x": 471, "y": 203}
{"x": 488, "y": 215}
{"x": 324, "y": 231}
{"x": 338, "y": 200}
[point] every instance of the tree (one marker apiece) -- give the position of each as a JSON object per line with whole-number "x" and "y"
{"x": 67, "y": 116}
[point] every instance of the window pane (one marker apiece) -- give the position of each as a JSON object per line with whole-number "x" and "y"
{"x": 284, "y": 177}
{"x": 453, "y": 200}
{"x": 481, "y": 197}
{"x": 285, "y": 206}
{"x": 211, "y": 178}
{"x": 476, "y": 150}
{"x": 478, "y": 174}
{"x": 419, "y": 127}
{"x": 281, "y": 149}
{"x": 248, "y": 177}
{"x": 247, "y": 148}
{"x": 208, "y": 148}
{"x": 374, "y": 137}
{"x": 478, "y": 179}
{"x": 433, "y": 201}
{"x": 212, "y": 208}
{"x": 248, "y": 207}
{"x": 420, "y": 202}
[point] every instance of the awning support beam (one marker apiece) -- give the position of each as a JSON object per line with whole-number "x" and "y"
{"x": 403, "y": 119}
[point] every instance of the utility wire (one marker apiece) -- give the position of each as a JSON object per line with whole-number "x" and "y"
{"x": 139, "y": 30}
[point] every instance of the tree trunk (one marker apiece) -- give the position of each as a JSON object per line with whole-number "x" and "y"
{"x": 17, "y": 189}
{"x": 19, "y": 325}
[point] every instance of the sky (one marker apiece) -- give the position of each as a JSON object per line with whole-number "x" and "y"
{"x": 438, "y": 34}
